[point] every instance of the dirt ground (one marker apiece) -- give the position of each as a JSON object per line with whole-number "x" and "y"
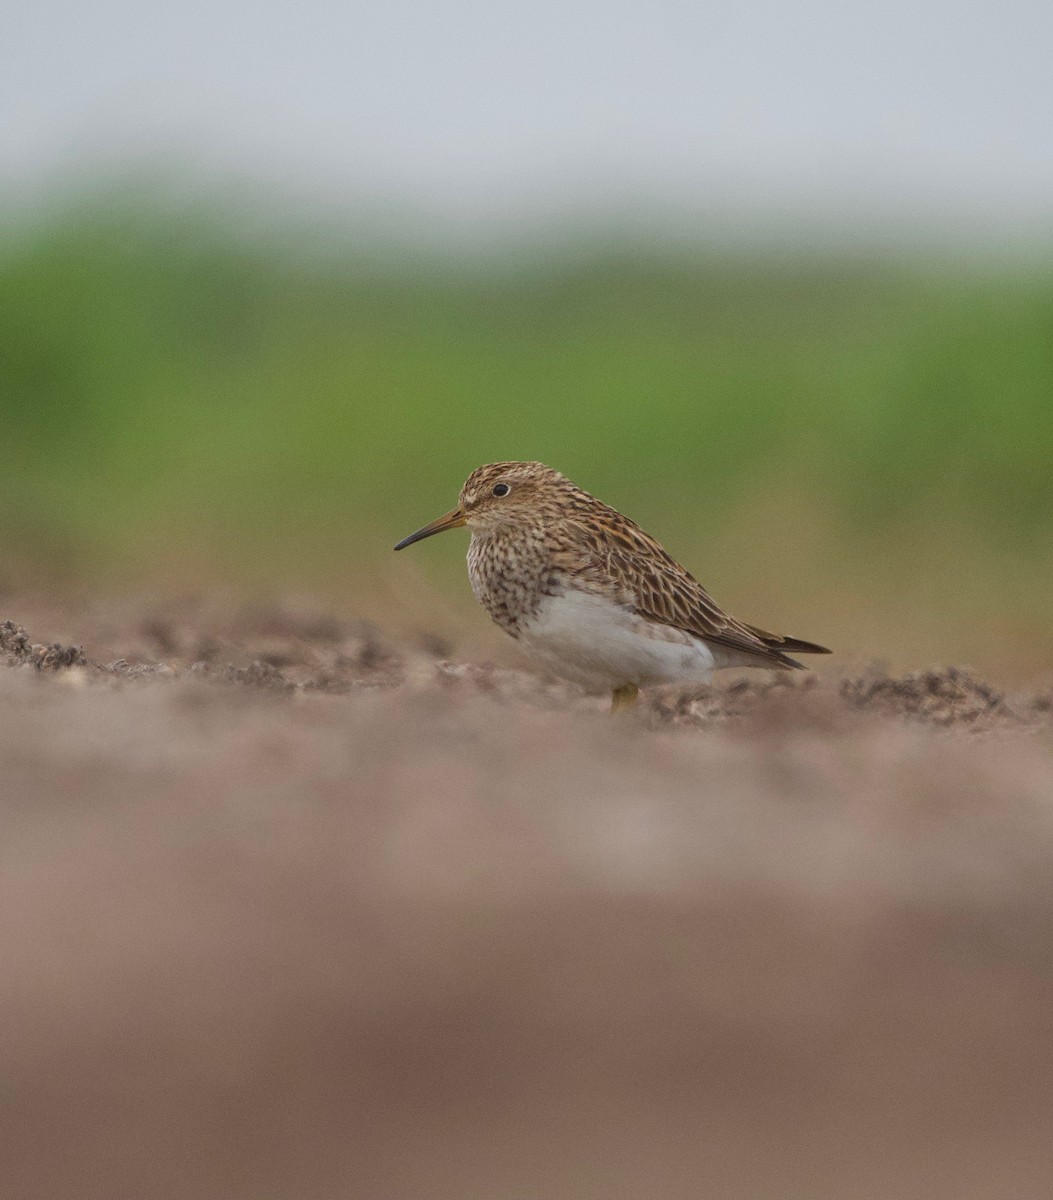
{"x": 294, "y": 908}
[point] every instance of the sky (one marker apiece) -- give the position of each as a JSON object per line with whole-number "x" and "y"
{"x": 475, "y": 108}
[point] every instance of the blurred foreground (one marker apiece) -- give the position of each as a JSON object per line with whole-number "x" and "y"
{"x": 329, "y": 914}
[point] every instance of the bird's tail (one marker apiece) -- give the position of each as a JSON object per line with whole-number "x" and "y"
{"x": 786, "y": 645}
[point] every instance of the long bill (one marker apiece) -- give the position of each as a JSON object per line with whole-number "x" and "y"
{"x": 454, "y": 519}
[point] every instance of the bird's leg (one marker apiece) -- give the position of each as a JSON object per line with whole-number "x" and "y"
{"x": 624, "y": 697}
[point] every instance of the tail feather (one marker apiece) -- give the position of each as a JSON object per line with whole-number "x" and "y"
{"x": 783, "y": 644}
{"x": 799, "y": 646}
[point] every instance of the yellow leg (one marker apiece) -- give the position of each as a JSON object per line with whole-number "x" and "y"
{"x": 624, "y": 697}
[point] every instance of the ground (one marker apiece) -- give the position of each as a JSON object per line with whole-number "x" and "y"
{"x": 295, "y": 907}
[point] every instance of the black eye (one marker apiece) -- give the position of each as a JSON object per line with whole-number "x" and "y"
{"x": 501, "y": 489}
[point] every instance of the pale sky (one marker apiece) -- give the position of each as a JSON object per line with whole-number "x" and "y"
{"x": 478, "y": 107}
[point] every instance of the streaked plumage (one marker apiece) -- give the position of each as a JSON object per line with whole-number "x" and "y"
{"x": 588, "y": 592}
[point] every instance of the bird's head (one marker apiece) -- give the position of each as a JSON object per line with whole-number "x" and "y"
{"x": 498, "y": 496}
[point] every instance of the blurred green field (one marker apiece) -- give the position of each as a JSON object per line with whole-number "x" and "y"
{"x": 856, "y": 450}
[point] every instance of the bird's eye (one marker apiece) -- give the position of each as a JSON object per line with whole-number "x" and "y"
{"x": 501, "y": 489}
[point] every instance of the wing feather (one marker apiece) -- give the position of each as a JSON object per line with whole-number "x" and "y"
{"x": 649, "y": 580}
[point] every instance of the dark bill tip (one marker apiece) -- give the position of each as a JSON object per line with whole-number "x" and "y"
{"x": 451, "y": 520}
{"x": 419, "y": 536}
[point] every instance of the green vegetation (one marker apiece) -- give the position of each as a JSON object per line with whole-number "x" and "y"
{"x": 178, "y": 396}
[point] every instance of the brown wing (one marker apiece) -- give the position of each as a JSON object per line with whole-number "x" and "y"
{"x": 657, "y": 587}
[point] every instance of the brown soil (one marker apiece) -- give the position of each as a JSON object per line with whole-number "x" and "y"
{"x": 296, "y": 909}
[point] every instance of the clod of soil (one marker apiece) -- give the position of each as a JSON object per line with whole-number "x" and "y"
{"x": 16, "y": 650}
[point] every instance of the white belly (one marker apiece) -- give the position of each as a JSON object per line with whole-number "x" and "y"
{"x": 599, "y": 644}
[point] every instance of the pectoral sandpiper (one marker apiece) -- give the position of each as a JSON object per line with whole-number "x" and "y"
{"x": 588, "y": 593}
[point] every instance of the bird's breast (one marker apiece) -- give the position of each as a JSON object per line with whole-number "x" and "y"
{"x": 511, "y": 579}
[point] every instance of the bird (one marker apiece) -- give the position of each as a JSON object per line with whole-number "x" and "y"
{"x": 591, "y": 596}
